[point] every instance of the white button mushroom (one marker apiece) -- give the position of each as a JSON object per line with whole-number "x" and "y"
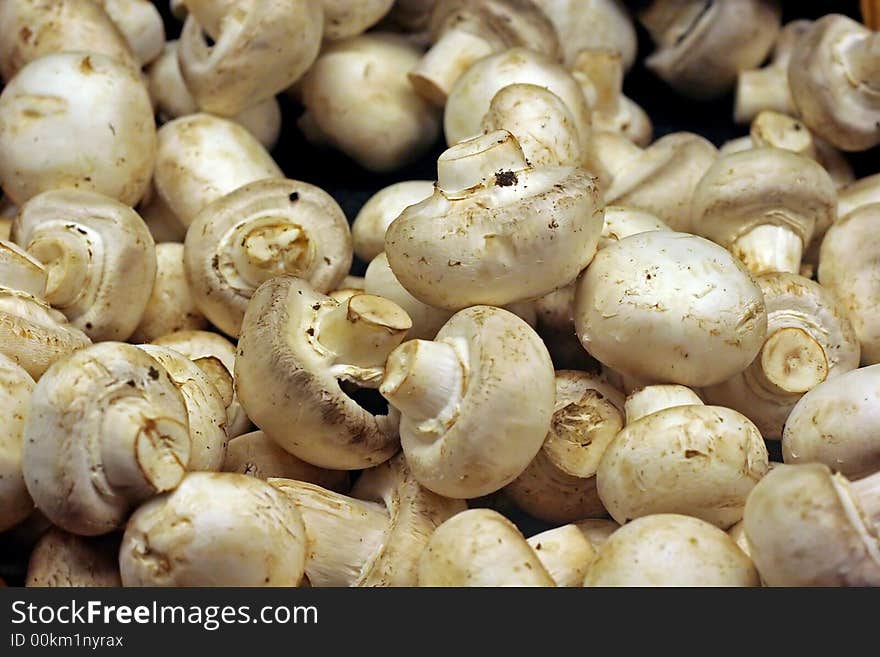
{"x": 670, "y": 550}
{"x": 476, "y": 403}
{"x": 358, "y": 99}
{"x": 140, "y": 23}
{"x": 834, "y": 76}
{"x": 465, "y": 31}
{"x": 597, "y": 530}
{"x": 480, "y": 547}
{"x": 258, "y": 49}
{"x": 509, "y": 231}
{"x": 809, "y": 527}
{"x": 647, "y": 400}
{"x": 76, "y": 120}
{"x": 566, "y": 554}
{"x": 16, "y": 387}
{"x": 60, "y": 559}
{"x": 701, "y": 46}
{"x": 307, "y": 345}
{"x": 259, "y": 231}
{"x": 809, "y": 340}
{"x": 107, "y": 429}
{"x": 670, "y": 307}
{"x": 383, "y": 207}
{"x": 861, "y": 192}
{"x": 375, "y": 537}
{"x": 215, "y": 529}
{"x": 348, "y": 18}
{"x": 559, "y": 485}
{"x": 99, "y": 257}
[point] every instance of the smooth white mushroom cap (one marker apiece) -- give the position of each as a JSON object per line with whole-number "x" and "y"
{"x": 347, "y": 18}
{"x": 383, "y": 207}
{"x": 16, "y": 387}
{"x": 141, "y": 24}
{"x": 565, "y": 552}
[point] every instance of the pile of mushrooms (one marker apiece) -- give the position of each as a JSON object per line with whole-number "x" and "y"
{"x": 557, "y": 352}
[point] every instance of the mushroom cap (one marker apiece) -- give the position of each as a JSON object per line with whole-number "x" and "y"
{"x": 668, "y": 549}
{"x": 480, "y": 547}
{"x": 795, "y": 302}
{"x": 99, "y": 256}
{"x": 670, "y": 307}
{"x": 259, "y": 231}
{"x": 597, "y": 530}
{"x": 16, "y": 387}
{"x": 19, "y": 270}
{"x": 566, "y": 554}
{"x": 261, "y": 48}
{"x": 763, "y": 186}
{"x": 827, "y": 90}
{"x": 864, "y": 191}
{"x": 359, "y": 97}
{"x": 91, "y": 113}
{"x": 107, "y": 429}
{"x": 383, "y": 207}
{"x": 848, "y": 264}
{"x": 503, "y": 413}
{"x": 696, "y": 460}
{"x": 35, "y": 28}
{"x": 836, "y": 423}
{"x": 806, "y": 528}
{"x": 622, "y": 222}
{"x": 201, "y": 158}
{"x": 304, "y": 410}
{"x": 472, "y": 94}
{"x": 348, "y": 18}
{"x": 215, "y": 529}
{"x": 61, "y": 559}
{"x": 701, "y": 47}
{"x": 141, "y": 24}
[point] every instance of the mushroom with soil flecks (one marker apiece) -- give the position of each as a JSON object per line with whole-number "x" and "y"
{"x": 566, "y": 554}
{"x": 61, "y": 559}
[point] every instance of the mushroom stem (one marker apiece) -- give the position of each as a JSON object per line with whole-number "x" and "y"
{"x": 864, "y": 61}
{"x": 759, "y": 89}
{"x": 781, "y": 131}
{"x": 471, "y": 163}
{"x": 791, "y": 362}
{"x": 604, "y": 71}
{"x": 344, "y": 533}
{"x": 446, "y": 61}
{"x": 770, "y": 248}
{"x": 363, "y": 330}
{"x": 424, "y": 380}
{"x": 20, "y": 271}
{"x": 867, "y": 492}
{"x": 653, "y": 399}
{"x": 66, "y": 255}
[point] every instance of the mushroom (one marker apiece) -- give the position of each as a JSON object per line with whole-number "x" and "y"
{"x": 35, "y": 28}
{"x": 358, "y": 99}
{"x": 203, "y": 157}
{"x": 140, "y": 23}
{"x": 647, "y": 400}
{"x": 836, "y": 423}
{"x": 465, "y": 31}
{"x": 255, "y": 455}
{"x": 91, "y": 113}
{"x": 764, "y": 205}
{"x": 471, "y": 97}
{"x": 171, "y": 306}
{"x": 668, "y": 549}
{"x": 809, "y": 340}
{"x": 702, "y": 46}
{"x": 99, "y": 257}
{"x": 259, "y": 231}
{"x": 475, "y": 404}
{"x": 600, "y": 74}
{"x": 16, "y": 387}
{"x": 834, "y": 76}
{"x": 173, "y": 100}
{"x": 541, "y": 123}
{"x": 509, "y": 231}
{"x": 107, "y": 429}
{"x": 559, "y": 485}
{"x": 61, "y": 559}
{"x": 593, "y": 24}
{"x": 669, "y": 307}
{"x": 477, "y": 548}
{"x": 697, "y": 460}
{"x": 201, "y": 345}
{"x": 348, "y": 18}
{"x": 215, "y": 529}
{"x": 565, "y": 553}
{"x": 760, "y": 89}
{"x": 31, "y": 333}
{"x": 809, "y": 527}
{"x": 257, "y": 49}
{"x": 864, "y": 191}
{"x": 309, "y": 346}
{"x": 383, "y": 207}
{"x": 375, "y": 537}
{"x": 659, "y": 179}
{"x": 597, "y": 530}
{"x": 847, "y": 268}
{"x": 205, "y": 408}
